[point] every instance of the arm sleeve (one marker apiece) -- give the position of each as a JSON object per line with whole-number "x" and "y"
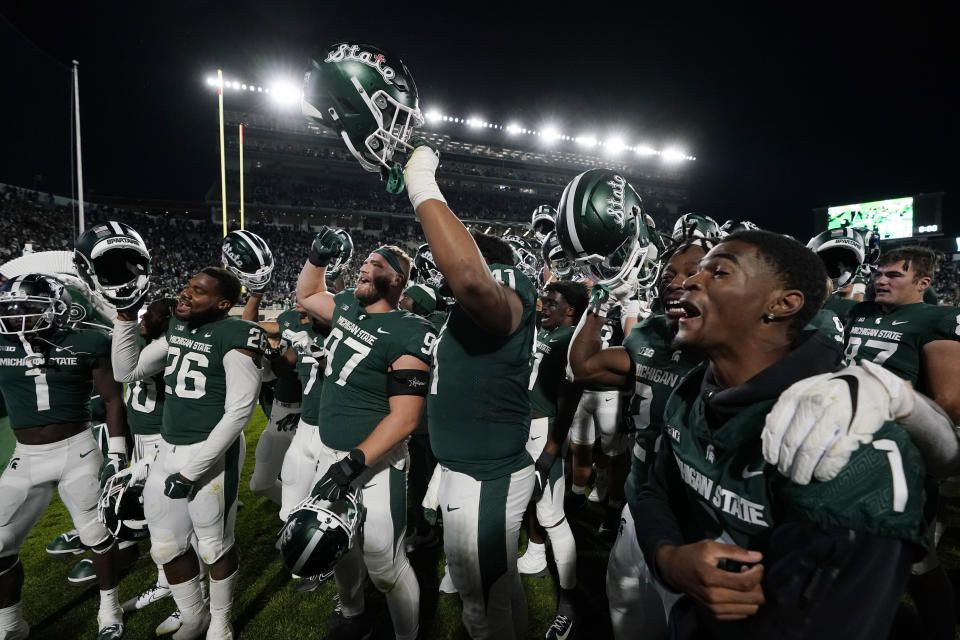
{"x": 129, "y": 362}
{"x": 829, "y": 582}
{"x": 656, "y": 524}
{"x": 935, "y": 435}
{"x": 243, "y": 385}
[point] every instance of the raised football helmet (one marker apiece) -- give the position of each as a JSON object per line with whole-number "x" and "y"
{"x": 120, "y": 506}
{"x": 367, "y": 96}
{"x": 843, "y": 252}
{"x": 600, "y": 226}
{"x": 427, "y": 271}
{"x": 342, "y": 260}
{"x": 554, "y": 257}
{"x": 248, "y": 257}
{"x": 112, "y": 259}
{"x": 694, "y": 225}
{"x": 544, "y": 221}
{"x": 318, "y": 533}
{"x": 33, "y": 303}
{"x": 732, "y": 226}
{"x": 526, "y": 255}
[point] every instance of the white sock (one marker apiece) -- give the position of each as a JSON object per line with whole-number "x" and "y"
{"x": 564, "y": 554}
{"x": 110, "y": 610}
{"x": 536, "y": 548}
{"x": 189, "y": 598}
{"x": 12, "y": 617}
{"x": 577, "y": 489}
{"x": 162, "y": 578}
{"x": 221, "y": 596}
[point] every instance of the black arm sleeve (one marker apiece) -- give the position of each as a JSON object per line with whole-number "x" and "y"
{"x": 655, "y": 521}
{"x": 819, "y": 582}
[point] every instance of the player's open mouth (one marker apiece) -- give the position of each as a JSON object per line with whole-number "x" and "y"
{"x": 684, "y": 310}
{"x": 183, "y": 305}
{"x": 361, "y": 280}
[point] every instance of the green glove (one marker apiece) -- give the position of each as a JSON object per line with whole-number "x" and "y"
{"x": 326, "y": 246}
{"x": 394, "y": 177}
{"x": 417, "y": 141}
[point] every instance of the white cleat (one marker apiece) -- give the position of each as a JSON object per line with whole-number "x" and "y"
{"x": 220, "y": 629}
{"x": 446, "y": 584}
{"x": 533, "y": 562}
{"x": 171, "y": 624}
{"x": 20, "y": 631}
{"x": 193, "y": 628}
{"x": 153, "y": 593}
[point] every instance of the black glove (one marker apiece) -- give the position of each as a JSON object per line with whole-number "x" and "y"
{"x": 177, "y": 487}
{"x": 336, "y": 481}
{"x": 326, "y": 246}
{"x": 541, "y": 479}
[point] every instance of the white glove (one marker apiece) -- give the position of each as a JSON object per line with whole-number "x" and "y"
{"x": 819, "y": 421}
{"x": 419, "y": 174}
{"x": 299, "y": 341}
{"x": 140, "y": 469}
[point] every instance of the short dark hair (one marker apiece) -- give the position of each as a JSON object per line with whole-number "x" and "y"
{"x": 575, "y": 293}
{"x": 493, "y": 249}
{"x": 228, "y": 285}
{"x": 796, "y": 266}
{"x": 923, "y": 260}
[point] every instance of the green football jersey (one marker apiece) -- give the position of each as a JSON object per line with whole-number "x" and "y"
{"x": 729, "y": 490}
{"x": 896, "y": 339}
{"x": 930, "y": 296}
{"x": 360, "y": 350}
{"x": 195, "y": 379}
{"x": 50, "y": 384}
{"x": 828, "y": 322}
{"x": 144, "y": 400}
{"x": 479, "y": 403}
{"x": 548, "y": 369}
{"x": 437, "y": 319}
{"x": 310, "y": 372}
{"x": 840, "y": 306}
{"x": 611, "y": 335}
{"x": 288, "y": 388}
{"x": 657, "y": 370}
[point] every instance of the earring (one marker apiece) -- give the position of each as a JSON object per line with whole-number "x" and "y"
{"x": 771, "y": 317}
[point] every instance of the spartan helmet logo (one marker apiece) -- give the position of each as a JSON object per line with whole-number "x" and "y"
{"x": 77, "y": 312}
{"x": 615, "y": 201}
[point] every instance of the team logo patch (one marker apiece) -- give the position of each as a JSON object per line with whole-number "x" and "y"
{"x": 77, "y": 312}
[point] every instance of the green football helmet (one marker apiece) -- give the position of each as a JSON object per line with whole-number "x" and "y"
{"x": 113, "y": 260}
{"x": 554, "y": 257}
{"x": 732, "y": 226}
{"x": 525, "y": 255}
{"x": 120, "y": 506}
{"x": 248, "y": 257}
{"x": 342, "y": 260}
{"x": 600, "y": 226}
{"x": 32, "y": 304}
{"x": 544, "y": 221}
{"x": 427, "y": 272}
{"x": 843, "y": 251}
{"x": 694, "y": 225}
{"x": 367, "y": 96}
{"x": 318, "y": 533}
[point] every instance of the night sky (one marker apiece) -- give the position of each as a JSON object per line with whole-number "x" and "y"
{"x": 784, "y": 111}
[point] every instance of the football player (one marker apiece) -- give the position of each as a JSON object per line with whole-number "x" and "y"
{"x": 647, "y": 357}
{"x": 376, "y": 378}
{"x": 212, "y": 376}
{"x": 47, "y": 373}
{"x": 553, "y": 401}
{"x": 745, "y": 546}
{"x": 479, "y": 408}
{"x": 920, "y": 343}
{"x": 422, "y": 300}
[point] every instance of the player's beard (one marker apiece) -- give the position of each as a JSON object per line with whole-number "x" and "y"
{"x": 376, "y": 290}
{"x": 198, "y": 318}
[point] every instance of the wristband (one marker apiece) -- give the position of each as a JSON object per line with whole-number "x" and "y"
{"x": 420, "y": 177}
{"x": 117, "y": 444}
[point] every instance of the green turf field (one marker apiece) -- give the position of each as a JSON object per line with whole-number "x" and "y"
{"x": 266, "y": 606}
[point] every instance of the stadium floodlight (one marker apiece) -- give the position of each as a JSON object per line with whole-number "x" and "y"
{"x": 235, "y": 84}
{"x": 285, "y": 93}
{"x": 587, "y": 140}
{"x": 513, "y": 128}
{"x": 550, "y": 133}
{"x": 243, "y": 86}
{"x": 646, "y": 150}
{"x": 434, "y": 116}
{"x": 615, "y": 145}
{"x": 673, "y": 155}
{"x": 475, "y": 122}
